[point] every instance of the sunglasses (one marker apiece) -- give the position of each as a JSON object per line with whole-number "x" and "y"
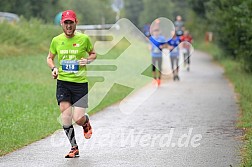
{"x": 69, "y": 22}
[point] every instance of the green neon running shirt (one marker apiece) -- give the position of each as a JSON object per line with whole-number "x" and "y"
{"x": 69, "y": 51}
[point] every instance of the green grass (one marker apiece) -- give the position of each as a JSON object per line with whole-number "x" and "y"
{"x": 242, "y": 82}
{"x": 28, "y": 110}
{"x": 243, "y": 85}
{"x": 26, "y": 37}
{"x": 27, "y": 105}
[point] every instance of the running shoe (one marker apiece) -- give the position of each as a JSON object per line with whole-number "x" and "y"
{"x": 154, "y": 81}
{"x": 178, "y": 78}
{"x": 158, "y": 82}
{"x": 73, "y": 153}
{"x": 87, "y": 128}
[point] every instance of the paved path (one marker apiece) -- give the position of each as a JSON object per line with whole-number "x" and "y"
{"x": 186, "y": 123}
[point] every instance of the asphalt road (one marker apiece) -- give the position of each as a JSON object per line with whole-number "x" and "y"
{"x": 189, "y": 123}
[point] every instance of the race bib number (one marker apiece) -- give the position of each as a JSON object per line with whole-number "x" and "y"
{"x": 175, "y": 50}
{"x": 179, "y": 32}
{"x": 156, "y": 50}
{"x": 71, "y": 66}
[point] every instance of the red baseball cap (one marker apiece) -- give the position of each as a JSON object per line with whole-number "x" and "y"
{"x": 68, "y": 15}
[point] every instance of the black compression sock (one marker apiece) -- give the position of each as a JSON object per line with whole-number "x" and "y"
{"x": 87, "y": 119}
{"x": 69, "y": 130}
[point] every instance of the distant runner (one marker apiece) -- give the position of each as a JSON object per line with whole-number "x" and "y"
{"x": 156, "y": 45}
{"x": 174, "y": 55}
{"x": 186, "y": 48}
{"x": 179, "y": 26}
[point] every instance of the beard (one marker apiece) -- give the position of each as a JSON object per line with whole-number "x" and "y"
{"x": 69, "y": 31}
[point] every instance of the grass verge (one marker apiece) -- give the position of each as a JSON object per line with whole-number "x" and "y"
{"x": 28, "y": 110}
{"x": 242, "y": 83}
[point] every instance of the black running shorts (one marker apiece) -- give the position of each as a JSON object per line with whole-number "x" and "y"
{"x": 75, "y": 93}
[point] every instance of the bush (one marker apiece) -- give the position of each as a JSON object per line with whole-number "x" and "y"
{"x": 232, "y": 24}
{"x": 26, "y": 35}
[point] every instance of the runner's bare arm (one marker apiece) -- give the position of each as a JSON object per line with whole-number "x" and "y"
{"x": 50, "y": 63}
{"x": 50, "y": 60}
{"x": 91, "y": 57}
{"x": 149, "y": 47}
{"x": 164, "y": 46}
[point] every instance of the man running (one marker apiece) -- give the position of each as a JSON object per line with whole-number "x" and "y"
{"x": 179, "y": 26}
{"x": 174, "y": 55}
{"x": 186, "y": 47}
{"x": 157, "y": 42}
{"x": 74, "y": 51}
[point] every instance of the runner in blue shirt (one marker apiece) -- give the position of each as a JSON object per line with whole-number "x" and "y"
{"x": 179, "y": 26}
{"x": 157, "y": 42}
{"x": 174, "y": 55}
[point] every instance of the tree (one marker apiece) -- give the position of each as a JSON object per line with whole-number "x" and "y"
{"x": 155, "y": 9}
{"x": 133, "y": 9}
{"x": 44, "y": 10}
{"x": 181, "y": 8}
{"x": 199, "y": 7}
{"x": 231, "y": 22}
{"x": 90, "y": 11}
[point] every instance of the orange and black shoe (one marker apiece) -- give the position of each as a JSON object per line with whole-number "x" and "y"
{"x": 87, "y": 128}
{"x": 73, "y": 153}
{"x": 158, "y": 82}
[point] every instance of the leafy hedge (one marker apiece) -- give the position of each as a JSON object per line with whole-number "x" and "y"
{"x": 26, "y": 37}
{"x": 231, "y": 23}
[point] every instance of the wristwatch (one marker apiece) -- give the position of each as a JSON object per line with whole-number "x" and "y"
{"x": 53, "y": 68}
{"x": 89, "y": 61}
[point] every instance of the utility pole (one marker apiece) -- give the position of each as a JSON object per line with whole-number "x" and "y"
{"x": 117, "y": 5}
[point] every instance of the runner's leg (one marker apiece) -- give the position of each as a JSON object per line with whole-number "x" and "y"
{"x": 154, "y": 67}
{"x": 66, "y": 116}
{"x": 159, "y": 61}
{"x": 172, "y": 66}
{"x": 79, "y": 116}
{"x": 177, "y": 66}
